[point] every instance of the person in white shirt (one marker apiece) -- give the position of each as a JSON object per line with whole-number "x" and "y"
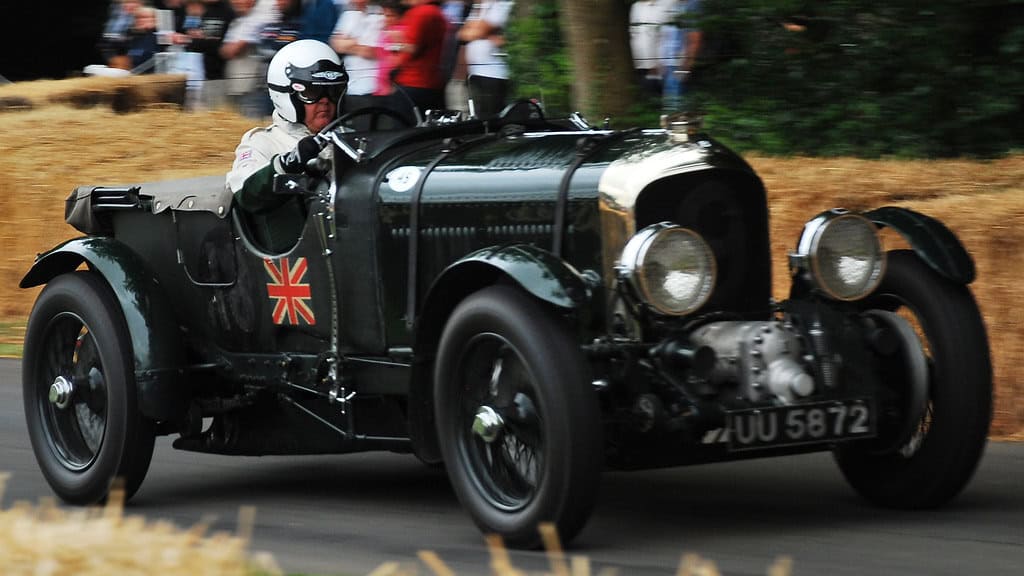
{"x": 355, "y": 38}
{"x": 486, "y": 66}
{"x": 646, "y": 18}
{"x": 243, "y": 69}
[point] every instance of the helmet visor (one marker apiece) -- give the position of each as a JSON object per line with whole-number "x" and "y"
{"x": 313, "y": 94}
{"x": 309, "y": 85}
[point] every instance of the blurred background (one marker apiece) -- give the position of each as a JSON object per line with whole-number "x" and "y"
{"x": 50, "y": 40}
{"x": 845, "y": 77}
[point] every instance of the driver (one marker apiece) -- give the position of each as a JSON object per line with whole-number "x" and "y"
{"x": 306, "y": 80}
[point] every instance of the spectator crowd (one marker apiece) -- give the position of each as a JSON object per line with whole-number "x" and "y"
{"x": 665, "y": 44}
{"x": 406, "y": 55}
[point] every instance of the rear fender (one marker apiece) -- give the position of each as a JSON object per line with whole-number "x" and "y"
{"x": 536, "y": 271}
{"x": 930, "y": 239}
{"x": 157, "y": 349}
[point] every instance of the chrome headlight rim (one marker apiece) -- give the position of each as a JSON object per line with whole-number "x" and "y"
{"x": 632, "y": 267}
{"x": 808, "y": 251}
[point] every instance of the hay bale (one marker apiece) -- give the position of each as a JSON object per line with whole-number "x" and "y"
{"x": 125, "y": 99}
{"x": 14, "y": 103}
{"x": 94, "y": 541}
{"x": 81, "y": 99}
{"x": 127, "y": 94}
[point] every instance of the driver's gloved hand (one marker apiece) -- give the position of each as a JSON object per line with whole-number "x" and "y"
{"x": 294, "y": 162}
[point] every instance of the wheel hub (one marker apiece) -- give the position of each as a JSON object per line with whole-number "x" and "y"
{"x": 915, "y": 378}
{"x": 60, "y": 392}
{"x": 488, "y": 424}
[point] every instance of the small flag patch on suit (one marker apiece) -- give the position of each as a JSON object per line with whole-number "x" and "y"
{"x": 291, "y": 294}
{"x": 245, "y": 155}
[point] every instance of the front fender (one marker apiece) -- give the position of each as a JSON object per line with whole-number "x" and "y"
{"x": 533, "y": 269}
{"x": 157, "y": 349}
{"x": 936, "y": 244}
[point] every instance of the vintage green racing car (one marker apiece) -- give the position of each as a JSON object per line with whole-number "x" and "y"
{"x": 528, "y": 300}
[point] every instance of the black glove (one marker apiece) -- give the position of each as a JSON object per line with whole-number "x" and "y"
{"x": 294, "y": 162}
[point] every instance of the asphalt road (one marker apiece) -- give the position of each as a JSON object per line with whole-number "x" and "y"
{"x": 345, "y": 515}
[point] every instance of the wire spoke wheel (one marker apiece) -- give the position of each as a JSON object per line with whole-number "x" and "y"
{"x": 931, "y": 436}
{"x": 72, "y": 393}
{"x": 517, "y": 421}
{"x": 79, "y": 391}
{"x": 508, "y": 463}
{"x": 913, "y": 444}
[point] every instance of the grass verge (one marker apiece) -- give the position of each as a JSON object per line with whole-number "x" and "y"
{"x": 12, "y": 334}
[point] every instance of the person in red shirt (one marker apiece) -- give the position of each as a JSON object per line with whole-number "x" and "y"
{"x": 389, "y": 47}
{"x": 419, "y": 77}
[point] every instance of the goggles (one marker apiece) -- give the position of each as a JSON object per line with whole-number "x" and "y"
{"x": 313, "y": 94}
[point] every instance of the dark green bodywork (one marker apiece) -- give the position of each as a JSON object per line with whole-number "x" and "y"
{"x": 931, "y": 240}
{"x": 486, "y": 207}
{"x": 159, "y": 358}
{"x": 494, "y": 194}
{"x": 424, "y": 218}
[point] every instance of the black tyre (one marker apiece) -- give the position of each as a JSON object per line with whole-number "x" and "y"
{"x": 79, "y": 392}
{"x": 518, "y": 424}
{"x": 938, "y": 459}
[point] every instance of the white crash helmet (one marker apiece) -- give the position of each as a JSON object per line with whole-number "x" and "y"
{"x": 303, "y": 72}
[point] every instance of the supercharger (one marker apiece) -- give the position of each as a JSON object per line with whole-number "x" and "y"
{"x": 765, "y": 359}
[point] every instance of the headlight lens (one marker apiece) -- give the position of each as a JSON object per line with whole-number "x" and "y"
{"x": 845, "y": 254}
{"x": 670, "y": 267}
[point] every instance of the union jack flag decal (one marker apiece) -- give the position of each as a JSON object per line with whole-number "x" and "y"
{"x": 291, "y": 294}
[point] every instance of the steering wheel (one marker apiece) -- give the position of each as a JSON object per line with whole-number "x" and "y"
{"x": 521, "y": 111}
{"x": 375, "y": 113}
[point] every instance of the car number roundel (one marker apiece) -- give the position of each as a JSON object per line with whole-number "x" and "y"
{"x": 290, "y": 295}
{"x": 403, "y": 178}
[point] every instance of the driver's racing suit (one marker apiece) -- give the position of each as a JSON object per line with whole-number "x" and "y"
{"x": 277, "y": 218}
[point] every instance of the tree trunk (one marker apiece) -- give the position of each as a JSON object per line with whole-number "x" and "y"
{"x": 597, "y": 36}
{"x": 523, "y": 8}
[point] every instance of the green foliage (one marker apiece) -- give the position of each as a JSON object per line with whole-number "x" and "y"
{"x": 865, "y": 77}
{"x": 11, "y": 336}
{"x": 861, "y": 77}
{"x": 538, "y": 60}
{"x": 541, "y": 67}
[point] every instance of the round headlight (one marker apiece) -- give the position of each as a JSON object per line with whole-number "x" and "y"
{"x": 671, "y": 268}
{"x": 845, "y": 254}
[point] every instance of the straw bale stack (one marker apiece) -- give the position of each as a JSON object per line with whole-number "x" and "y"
{"x": 127, "y": 94}
{"x": 51, "y": 541}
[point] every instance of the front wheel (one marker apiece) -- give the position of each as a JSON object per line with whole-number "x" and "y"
{"x": 932, "y": 464}
{"x": 79, "y": 392}
{"x": 518, "y": 425}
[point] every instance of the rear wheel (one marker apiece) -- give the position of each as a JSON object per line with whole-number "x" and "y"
{"x": 517, "y": 422}
{"x": 79, "y": 392}
{"x": 934, "y": 461}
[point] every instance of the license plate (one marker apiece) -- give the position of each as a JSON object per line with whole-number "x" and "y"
{"x": 800, "y": 424}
